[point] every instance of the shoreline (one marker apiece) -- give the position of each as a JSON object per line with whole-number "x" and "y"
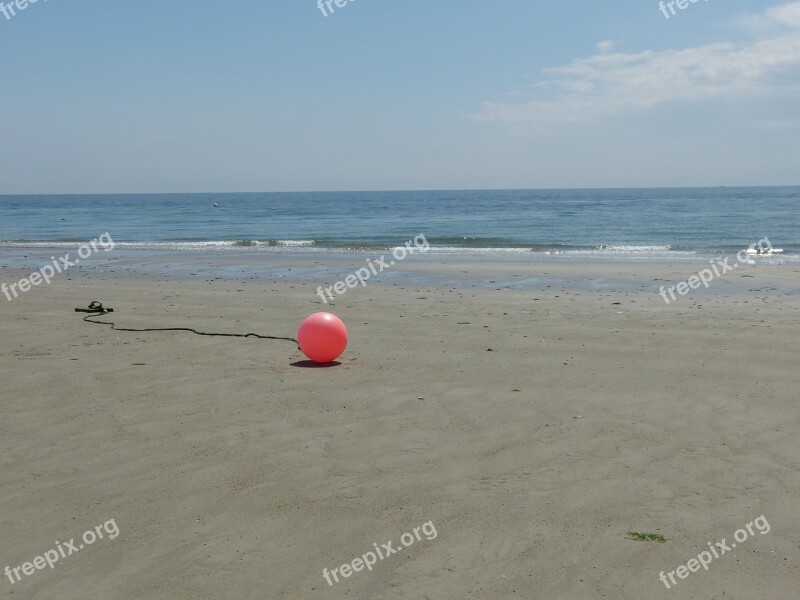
{"x": 514, "y": 272}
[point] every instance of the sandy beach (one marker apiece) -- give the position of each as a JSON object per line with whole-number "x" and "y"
{"x": 543, "y": 264}
{"x": 533, "y": 428}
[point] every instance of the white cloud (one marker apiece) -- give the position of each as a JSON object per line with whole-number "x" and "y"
{"x": 605, "y": 45}
{"x": 615, "y": 83}
{"x": 762, "y": 25}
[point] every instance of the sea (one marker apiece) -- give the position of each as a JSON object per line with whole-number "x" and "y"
{"x": 664, "y": 224}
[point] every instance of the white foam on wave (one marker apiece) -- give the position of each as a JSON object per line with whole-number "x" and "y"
{"x": 296, "y": 242}
{"x": 613, "y": 252}
{"x": 473, "y": 250}
{"x": 634, "y": 249}
{"x": 195, "y": 245}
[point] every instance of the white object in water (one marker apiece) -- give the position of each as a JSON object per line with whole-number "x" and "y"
{"x": 762, "y": 252}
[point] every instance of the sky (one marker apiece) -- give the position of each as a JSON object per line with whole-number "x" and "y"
{"x": 272, "y": 95}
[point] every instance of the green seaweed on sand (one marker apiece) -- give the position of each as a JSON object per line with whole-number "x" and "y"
{"x": 646, "y": 537}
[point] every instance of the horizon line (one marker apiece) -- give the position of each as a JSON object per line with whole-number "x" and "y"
{"x": 373, "y": 191}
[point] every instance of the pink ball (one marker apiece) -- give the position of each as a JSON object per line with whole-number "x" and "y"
{"x": 322, "y": 337}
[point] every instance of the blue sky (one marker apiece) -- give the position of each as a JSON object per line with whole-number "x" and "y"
{"x": 255, "y": 95}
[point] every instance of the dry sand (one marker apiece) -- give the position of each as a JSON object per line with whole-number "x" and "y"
{"x": 535, "y": 429}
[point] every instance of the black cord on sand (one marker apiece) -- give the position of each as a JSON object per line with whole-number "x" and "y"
{"x": 241, "y": 335}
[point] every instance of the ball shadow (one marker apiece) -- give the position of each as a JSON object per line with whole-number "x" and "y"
{"x": 310, "y": 364}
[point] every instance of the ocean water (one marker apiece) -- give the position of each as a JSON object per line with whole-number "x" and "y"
{"x": 610, "y": 224}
